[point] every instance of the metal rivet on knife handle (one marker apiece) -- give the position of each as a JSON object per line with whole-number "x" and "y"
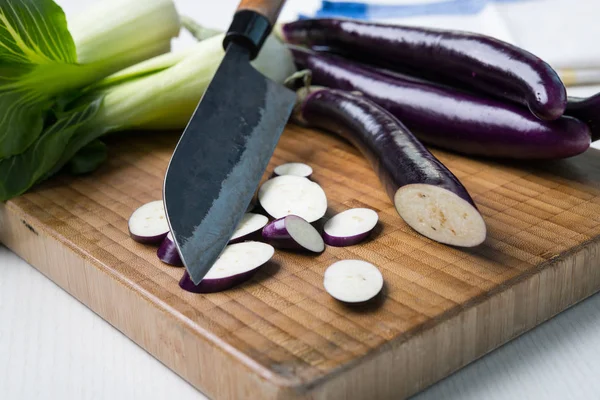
{"x": 252, "y": 24}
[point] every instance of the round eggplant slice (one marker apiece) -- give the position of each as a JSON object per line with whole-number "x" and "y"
{"x": 293, "y": 195}
{"x": 353, "y": 281}
{"x": 295, "y": 169}
{"x": 148, "y": 224}
{"x": 236, "y": 264}
{"x": 349, "y": 227}
{"x": 168, "y": 253}
{"x": 249, "y": 225}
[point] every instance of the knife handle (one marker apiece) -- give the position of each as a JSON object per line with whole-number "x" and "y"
{"x": 252, "y": 24}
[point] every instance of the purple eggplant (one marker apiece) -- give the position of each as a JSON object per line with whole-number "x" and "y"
{"x": 352, "y": 281}
{"x": 293, "y": 168}
{"x": 168, "y": 253}
{"x": 293, "y": 195}
{"x": 236, "y": 264}
{"x": 424, "y": 192}
{"x": 294, "y": 233}
{"x": 448, "y": 118}
{"x": 249, "y": 228}
{"x": 349, "y": 227}
{"x": 588, "y": 111}
{"x": 479, "y": 62}
{"x": 148, "y": 224}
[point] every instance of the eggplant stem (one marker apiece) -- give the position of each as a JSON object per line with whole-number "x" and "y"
{"x": 305, "y": 75}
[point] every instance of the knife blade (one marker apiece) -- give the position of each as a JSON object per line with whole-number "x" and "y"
{"x": 225, "y": 148}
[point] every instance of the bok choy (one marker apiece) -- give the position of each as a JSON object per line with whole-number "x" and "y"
{"x": 41, "y": 59}
{"x": 160, "y": 93}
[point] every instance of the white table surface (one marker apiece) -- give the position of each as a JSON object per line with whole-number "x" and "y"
{"x": 53, "y": 347}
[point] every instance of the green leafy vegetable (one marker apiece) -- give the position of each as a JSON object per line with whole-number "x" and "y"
{"x": 145, "y": 97}
{"x": 38, "y": 60}
{"x": 88, "y": 158}
{"x": 33, "y": 40}
{"x": 20, "y": 172}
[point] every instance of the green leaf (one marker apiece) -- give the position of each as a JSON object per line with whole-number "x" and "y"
{"x": 33, "y": 37}
{"x": 20, "y": 172}
{"x": 38, "y": 63}
{"x": 34, "y": 32}
{"x": 89, "y": 158}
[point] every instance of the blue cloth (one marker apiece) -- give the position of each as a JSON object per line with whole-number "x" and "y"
{"x": 373, "y": 10}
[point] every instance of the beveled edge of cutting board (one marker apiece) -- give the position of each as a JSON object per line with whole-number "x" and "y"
{"x": 19, "y": 231}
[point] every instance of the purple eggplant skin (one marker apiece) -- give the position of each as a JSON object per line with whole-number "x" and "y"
{"x": 153, "y": 240}
{"x": 214, "y": 285}
{"x": 168, "y": 253}
{"x": 448, "y": 118}
{"x": 276, "y": 234}
{"x": 586, "y": 110}
{"x": 157, "y": 239}
{"x": 395, "y": 154}
{"x": 477, "y": 61}
{"x": 344, "y": 241}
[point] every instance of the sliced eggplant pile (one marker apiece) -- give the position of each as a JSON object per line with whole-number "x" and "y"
{"x": 168, "y": 253}
{"x": 236, "y": 264}
{"x": 353, "y": 281}
{"x": 349, "y": 227}
{"x": 295, "y": 233}
{"x": 148, "y": 224}
{"x": 296, "y": 169}
{"x": 293, "y": 195}
{"x": 248, "y": 228}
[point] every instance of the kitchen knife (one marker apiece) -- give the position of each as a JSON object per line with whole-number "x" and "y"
{"x": 227, "y": 144}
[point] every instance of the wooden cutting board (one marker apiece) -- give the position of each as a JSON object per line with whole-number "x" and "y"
{"x": 281, "y": 336}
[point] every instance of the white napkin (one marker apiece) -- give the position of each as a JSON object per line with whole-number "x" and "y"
{"x": 564, "y": 33}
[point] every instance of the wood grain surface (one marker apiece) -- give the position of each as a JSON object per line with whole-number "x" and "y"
{"x": 281, "y": 335}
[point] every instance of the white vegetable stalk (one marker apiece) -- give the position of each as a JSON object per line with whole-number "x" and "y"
{"x": 167, "y": 99}
{"x": 124, "y": 32}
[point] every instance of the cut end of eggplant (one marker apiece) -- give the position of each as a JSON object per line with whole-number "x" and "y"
{"x": 236, "y": 264}
{"x": 148, "y": 224}
{"x": 293, "y": 195}
{"x": 349, "y": 227}
{"x": 440, "y": 215}
{"x": 353, "y": 281}
{"x": 295, "y": 169}
{"x": 249, "y": 224}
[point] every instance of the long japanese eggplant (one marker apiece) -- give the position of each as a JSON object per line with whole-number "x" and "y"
{"x": 587, "y": 110}
{"x": 476, "y": 61}
{"x": 448, "y": 118}
{"x": 425, "y": 193}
